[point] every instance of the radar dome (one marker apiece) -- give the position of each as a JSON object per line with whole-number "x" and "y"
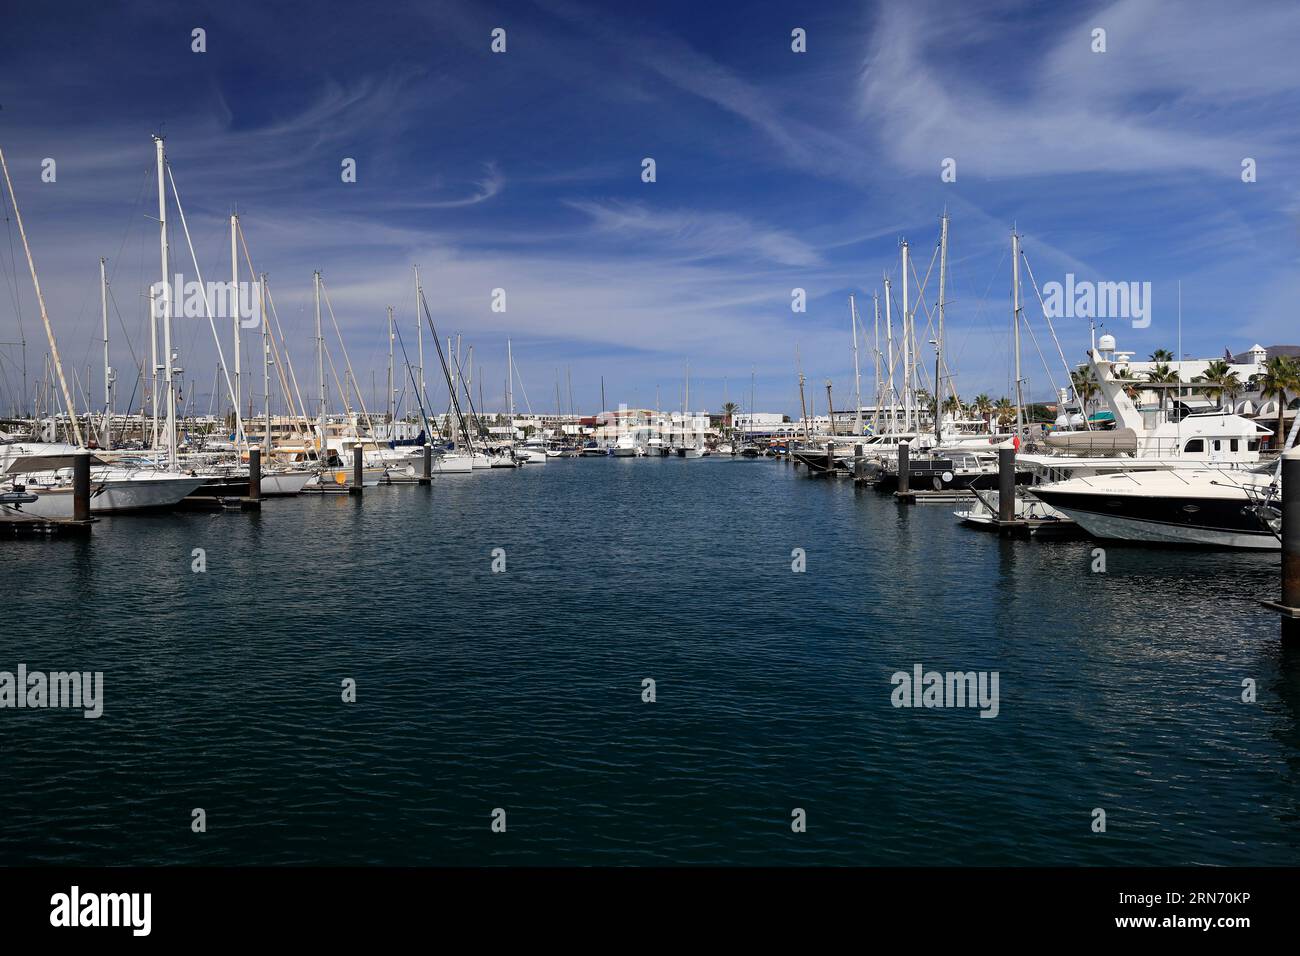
{"x": 1106, "y": 343}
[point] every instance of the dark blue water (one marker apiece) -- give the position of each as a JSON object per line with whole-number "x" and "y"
{"x": 522, "y": 690}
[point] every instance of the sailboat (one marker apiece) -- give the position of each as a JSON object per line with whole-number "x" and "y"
{"x": 694, "y": 448}
{"x": 44, "y": 469}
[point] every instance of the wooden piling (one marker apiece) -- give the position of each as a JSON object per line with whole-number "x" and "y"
{"x": 904, "y": 468}
{"x": 427, "y": 477}
{"x": 1289, "y": 606}
{"x": 81, "y": 486}
{"x": 358, "y": 472}
{"x": 255, "y": 474}
{"x": 1006, "y": 484}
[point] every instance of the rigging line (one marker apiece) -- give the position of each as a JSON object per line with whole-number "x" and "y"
{"x": 522, "y": 387}
{"x": 347, "y": 360}
{"x": 406, "y": 359}
{"x": 126, "y": 233}
{"x": 275, "y": 352}
{"x": 288, "y": 359}
{"x": 343, "y": 393}
{"x": 122, "y": 322}
{"x": 240, "y": 437}
{"x": 287, "y": 394}
{"x": 1068, "y": 377}
{"x": 13, "y": 262}
{"x": 442, "y": 359}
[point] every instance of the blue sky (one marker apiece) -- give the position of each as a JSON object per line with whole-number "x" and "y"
{"x": 775, "y": 170}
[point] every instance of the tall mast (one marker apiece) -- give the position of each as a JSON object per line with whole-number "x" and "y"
{"x": 938, "y": 342}
{"x": 1015, "y": 320}
{"x": 153, "y": 368}
{"x": 510, "y": 394}
{"x": 168, "y": 362}
{"x": 267, "y": 356}
{"x": 391, "y": 396}
{"x": 320, "y": 367}
{"x": 857, "y": 374}
{"x": 803, "y": 405}
{"x": 830, "y": 409}
{"x": 234, "y": 293}
{"x": 108, "y": 370}
{"x": 908, "y": 345}
{"x": 419, "y": 334}
{"x": 875, "y": 306}
{"x": 45, "y": 317}
{"x": 749, "y": 422}
{"x": 889, "y": 332}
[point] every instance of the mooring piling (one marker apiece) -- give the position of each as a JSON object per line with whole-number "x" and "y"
{"x": 1289, "y": 605}
{"x": 358, "y": 472}
{"x": 255, "y": 474}
{"x": 1006, "y": 484}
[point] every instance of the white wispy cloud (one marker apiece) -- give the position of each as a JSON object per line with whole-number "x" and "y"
{"x": 1070, "y": 110}
{"x": 694, "y": 234}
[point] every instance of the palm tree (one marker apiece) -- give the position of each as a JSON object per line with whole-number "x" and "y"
{"x": 1129, "y": 387}
{"x": 1162, "y": 355}
{"x": 983, "y": 406}
{"x": 952, "y": 405}
{"x": 1212, "y": 380}
{"x": 1162, "y": 374}
{"x": 1280, "y": 374}
{"x": 729, "y": 411}
{"x": 1085, "y": 387}
{"x": 1006, "y": 411}
{"x": 1232, "y": 387}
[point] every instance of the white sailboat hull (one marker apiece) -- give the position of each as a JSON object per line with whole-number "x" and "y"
{"x": 452, "y": 465}
{"x": 112, "y": 496}
{"x": 1155, "y": 532}
{"x": 284, "y": 483}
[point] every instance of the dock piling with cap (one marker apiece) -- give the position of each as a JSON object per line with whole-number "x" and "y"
{"x": 358, "y": 472}
{"x": 81, "y": 486}
{"x": 1289, "y": 606}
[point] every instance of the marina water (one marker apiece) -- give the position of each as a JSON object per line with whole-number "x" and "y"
{"x": 522, "y": 689}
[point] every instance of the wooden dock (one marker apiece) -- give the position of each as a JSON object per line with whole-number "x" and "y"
{"x": 25, "y": 526}
{"x": 944, "y": 496}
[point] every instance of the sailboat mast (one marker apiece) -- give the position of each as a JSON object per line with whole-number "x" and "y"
{"x": 908, "y": 346}
{"x": 938, "y": 343}
{"x": 419, "y": 333}
{"x": 749, "y": 422}
{"x": 153, "y": 369}
{"x": 267, "y": 356}
{"x": 45, "y": 317}
{"x": 889, "y": 332}
{"x": 320, "y": 367}
{"x": 391, "y": 396}
{"x": 1015, "y": 320}
{"x": 170, "y": 436}
{"x": 234, "y": 297}
{"x": 108, "y": 371}
{"x": 875, "y": 306}
{"x": 857, "y": 373}
{"x": 803, "y": 405}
